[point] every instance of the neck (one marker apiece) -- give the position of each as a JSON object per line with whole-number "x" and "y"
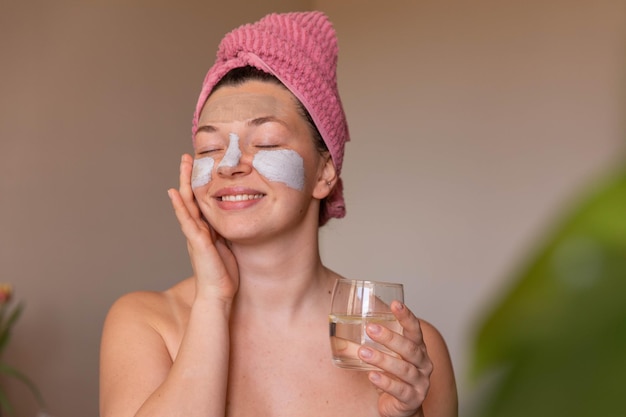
{"x": 284, "y": 276}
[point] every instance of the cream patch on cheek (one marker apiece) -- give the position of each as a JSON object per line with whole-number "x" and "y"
{"x": 283, "y": 165}
{"x": 201, "y": 173}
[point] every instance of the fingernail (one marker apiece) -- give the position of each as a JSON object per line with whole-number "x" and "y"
{"x": 366, "y": 353}
{"x": 399, "y": 306}
{"x": 373, "y": 328}
{"x": 374, "y": 376}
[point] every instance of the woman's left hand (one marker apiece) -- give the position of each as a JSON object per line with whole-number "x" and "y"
{"x": 405, "y": 380}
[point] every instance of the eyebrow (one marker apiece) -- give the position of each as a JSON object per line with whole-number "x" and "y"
{"x": 206, "y": 128}
{"x": 265, "y": 119}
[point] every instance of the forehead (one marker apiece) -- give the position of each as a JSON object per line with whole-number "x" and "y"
{"x": 248, "y": 101}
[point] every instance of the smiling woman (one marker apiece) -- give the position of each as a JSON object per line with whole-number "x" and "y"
{"x": 265, "y": 159}
{"x": 247, "y": 334}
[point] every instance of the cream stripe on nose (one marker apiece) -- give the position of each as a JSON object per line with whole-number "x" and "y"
{"x": 233, "y": 153}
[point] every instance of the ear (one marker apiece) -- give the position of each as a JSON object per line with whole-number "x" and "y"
{"x": 327, "y": 178}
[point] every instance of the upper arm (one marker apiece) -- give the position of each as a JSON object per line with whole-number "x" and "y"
{"x": 134, "y": 359}
{"x": 441, "y": 399}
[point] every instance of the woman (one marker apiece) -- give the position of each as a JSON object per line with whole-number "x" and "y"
{"x": 247, "y": 335}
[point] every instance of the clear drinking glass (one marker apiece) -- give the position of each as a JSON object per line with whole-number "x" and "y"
{"x": 355, "y": 303}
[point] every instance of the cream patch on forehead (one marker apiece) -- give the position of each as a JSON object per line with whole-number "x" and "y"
{"x": 201, "y": 173}
{"x": 239, "y": 107}
{"x": 282, "y": 165}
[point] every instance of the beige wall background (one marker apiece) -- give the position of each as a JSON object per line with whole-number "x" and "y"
{"x": 473, "y": 123}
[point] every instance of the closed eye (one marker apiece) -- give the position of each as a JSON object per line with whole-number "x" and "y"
{"x": 267, "y": 146}
{"x": 208, "y": 151}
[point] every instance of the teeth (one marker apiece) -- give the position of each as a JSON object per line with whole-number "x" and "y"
{"x": 241, "y": 197}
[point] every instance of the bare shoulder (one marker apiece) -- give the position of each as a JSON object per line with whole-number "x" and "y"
{"x": 138, "y": 305}
{"x": 141, "y": 336}
{"x": 152, "y": 307}
{"x": 442, "y": 397}
{"x": 432, "y": 337}
{"x": 149, "y": 317}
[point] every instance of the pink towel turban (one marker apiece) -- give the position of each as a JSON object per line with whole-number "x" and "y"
{"x": 300, "y": 49}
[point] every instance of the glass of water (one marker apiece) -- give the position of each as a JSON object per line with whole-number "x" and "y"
{"x": 355, "y": 303}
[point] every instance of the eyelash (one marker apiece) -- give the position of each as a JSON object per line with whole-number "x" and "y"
{"x": 208, "y": 151}
{"x": 213, "y": 150}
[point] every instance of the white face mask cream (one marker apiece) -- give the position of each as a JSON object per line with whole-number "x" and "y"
{"x": 201, "y": 173}
{"x": 233, "y": 153}
{"x": 283, "y": 165}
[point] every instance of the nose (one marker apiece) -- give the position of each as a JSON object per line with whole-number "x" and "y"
{"x": 231, "y": 162}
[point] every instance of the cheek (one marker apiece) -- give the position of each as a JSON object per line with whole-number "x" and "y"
{"x": 201, "y": 173}
{"x": 284, "y": 165}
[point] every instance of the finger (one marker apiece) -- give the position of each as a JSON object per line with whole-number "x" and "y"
{"x": 186, "y": 192}
{"x": 411, "y": 328}
{"x": 344, "y": 348}
{"x": 400, "y": 368}
{"x": 187, "y": 222}
{"x": 414, "y": 352}
{"x": 410, "y": 356}
{"x": 401, "y": 391}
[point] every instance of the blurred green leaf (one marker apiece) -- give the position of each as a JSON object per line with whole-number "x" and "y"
{"x": 12, "y": 372}
{"x": 5, "y": 326}
{"x": 5, "y": 405}
{"x": 557, "y": 340}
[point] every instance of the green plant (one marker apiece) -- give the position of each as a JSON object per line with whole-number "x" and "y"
{"x": 555, "y": 345}
{"x": 9, "y": 314}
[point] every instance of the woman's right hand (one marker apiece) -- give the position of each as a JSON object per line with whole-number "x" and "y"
{"x": 214, "y": 264}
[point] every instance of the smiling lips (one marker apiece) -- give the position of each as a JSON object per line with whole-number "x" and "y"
{"x": 241, "y": 197}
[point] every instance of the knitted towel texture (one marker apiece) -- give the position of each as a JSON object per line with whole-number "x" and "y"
{"x": 300, "y": 49}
